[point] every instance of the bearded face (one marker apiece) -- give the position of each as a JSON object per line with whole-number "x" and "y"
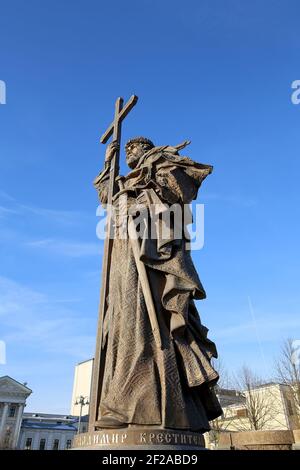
{"x": 134, "y": 152}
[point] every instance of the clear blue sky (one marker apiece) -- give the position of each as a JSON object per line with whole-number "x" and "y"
{"x": 218, "y": 73}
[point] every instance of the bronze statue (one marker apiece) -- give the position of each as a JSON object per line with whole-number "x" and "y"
{"x": 153, "y": 358}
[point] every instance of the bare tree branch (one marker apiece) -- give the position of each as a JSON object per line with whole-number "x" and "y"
{"x": 288, "y": 370}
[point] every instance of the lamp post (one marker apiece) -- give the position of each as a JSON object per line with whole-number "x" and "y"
{"x": 81, "y": 401}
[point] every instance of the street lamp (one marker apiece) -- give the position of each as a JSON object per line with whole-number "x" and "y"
{"x": 81, "y": 401}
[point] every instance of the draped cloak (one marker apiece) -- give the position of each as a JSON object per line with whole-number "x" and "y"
{"x": 171, "y": 387}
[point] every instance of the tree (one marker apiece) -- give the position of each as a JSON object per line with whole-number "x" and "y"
{"x": 259, "y": 401}
{"x": 222, "y": 423}
{"x": 288, "y": 369}
{"x": 224, "y": 377}
{"x": 249, "y": 404}
{"x": 258, "y": 405}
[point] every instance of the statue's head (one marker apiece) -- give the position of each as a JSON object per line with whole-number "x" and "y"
{"x": 135, "y": 149}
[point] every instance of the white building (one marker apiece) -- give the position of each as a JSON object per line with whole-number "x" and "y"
{"x": 41, "y": 431}
{"x": 268, "y": 407}
{"x": 272, "y": 405}
{"x": 13, "y": 396}
{"x": 82, "y": 387}
{"x": 37, "y": 431}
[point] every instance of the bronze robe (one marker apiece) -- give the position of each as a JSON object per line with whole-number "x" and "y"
{"x": 142, "y": 384}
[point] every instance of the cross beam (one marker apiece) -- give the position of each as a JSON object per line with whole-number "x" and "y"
{"x": 119, "y": 116}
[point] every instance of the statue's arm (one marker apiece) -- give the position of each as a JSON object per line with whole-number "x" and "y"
{"x": 179, "y": 182}
{"x": 101, "y": 182}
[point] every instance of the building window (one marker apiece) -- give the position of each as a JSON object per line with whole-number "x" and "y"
{"x": 42, "y": 444}
{"x": 12, "y": 412}
{"x": 69, "y": 444}
{"x": 241, "y": 413}
{"x": 28, "y": 443}
{"x": 55, "y": 444}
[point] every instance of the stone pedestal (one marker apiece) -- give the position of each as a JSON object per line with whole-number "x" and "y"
{"x": 296, "y": 445}
{"x": 256, "y": 440}
{"x": 135, "y": 438}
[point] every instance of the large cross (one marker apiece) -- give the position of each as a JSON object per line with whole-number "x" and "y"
{"x": 113, "y": 130}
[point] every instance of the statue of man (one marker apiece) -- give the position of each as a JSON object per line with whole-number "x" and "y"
{"x": 145, "y": 385}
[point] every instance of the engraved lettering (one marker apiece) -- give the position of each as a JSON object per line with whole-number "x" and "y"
{"x": 104, "y": 439}
{"x": 183, "y": 438}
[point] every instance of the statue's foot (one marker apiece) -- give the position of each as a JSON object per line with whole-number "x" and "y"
{"x": 110, "y": 422}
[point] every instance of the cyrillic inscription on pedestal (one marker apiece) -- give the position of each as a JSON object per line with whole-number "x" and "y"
{"x": 138, "y": 437}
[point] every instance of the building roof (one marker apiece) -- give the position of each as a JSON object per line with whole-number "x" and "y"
{"x": 50, "y": 416}
{"x": 267, "y": 384}
{"x": 226, "y": 391}
{"x": 23, "y": 387}
{"x": 82, "y": 362}
{"x": 50, "y": 426}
